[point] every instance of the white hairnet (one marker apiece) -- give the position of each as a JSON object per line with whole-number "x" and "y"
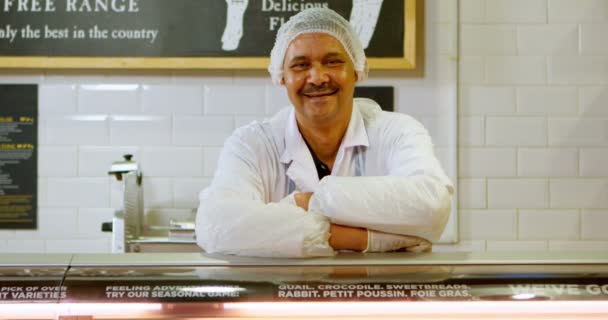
{"x": 317, "y": 20}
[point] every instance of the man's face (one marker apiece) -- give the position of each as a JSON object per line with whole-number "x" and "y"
{"x": 320, "y": 79}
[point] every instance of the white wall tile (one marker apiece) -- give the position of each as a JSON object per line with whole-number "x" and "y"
{"x": 446, "y": 158}
{"x": 516, "y": 11}
{"x": 578, "y": 132}
{"x": 462, "y": 246}
{"x": 594, "y": 101}
{"x": 547, "y": 39}
{"x": 421, "y": 101}
{"x": 547, "y": 162}
{"x": 485, "y": 100}
{"x": 186, "y": 191}
{"x": 547, "y": 100}
{"x": 472, "y": 11}
{"x": 207, "y": 131}
{"x": 578, "y": 70}
{"x": 53, "y": 223}
{"x": 240, "y": 121}
{"x": 488, "y": 224}
{"x": 80, "y": 246}
{"x": 440, "y": 128}
{"x": 73, "y": 130}
{"x": 594, "y": 162}
{"x": 578, "y": 246}
{"x": 549, "y": 225}
{"x": 243, "y": 77}
{"x": 7, "y": 234}
{"x": 440, "y": 39}
{"x": 57, "y": 161}
{"x": 518, "y": 193}
{"x": 140, "y": 130}
{"x": 42, "y": 192}
{"x": 593, "y": 39}
{"x": 172, "y": 162}
{"x": 471, "y": 69}
{"x": 516, "y": 246}
{"x": 19, "y": 76}
{"x": 201, "y": 77}
{"x": 108, "y": 98}
{"x": 90, "y": 220}
{"x": 158, "y": 192}
{"x": 487, "y": 162}
{"x": 440, "y": 71}
{"x": 96, "y": 161}
{"x": 24, "y": 246}
{"x": 515, "y": 70}
{"x": 234, "y": 100}
{"x": 78, "y": 192}
{"x": 594, "y": 224}
{"x": 488, "y": 40}
{"x": 172, "y": 99}
{"x": 471, "y": 193}
{"x": 57, "y": 99}
{"x": 579, "y": 193}
{"x": 440, "y": 11}
{"x": 276, "y": 99}
{"x": 578, "y": 11}
{"x": 471, "y": 131}
{"x": 42, "y": 130}
{"x": 512, "y": 131}
{"x": 210, "y": 158}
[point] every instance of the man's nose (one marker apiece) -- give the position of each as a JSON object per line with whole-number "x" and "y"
{"x": 318, "y": 75}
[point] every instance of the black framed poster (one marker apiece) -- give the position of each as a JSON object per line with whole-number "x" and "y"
{"x": 18, "y": 156}
{"x": 221, "y": 34}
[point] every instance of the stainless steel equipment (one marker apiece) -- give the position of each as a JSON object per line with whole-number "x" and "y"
{"x": 127, "y": 222}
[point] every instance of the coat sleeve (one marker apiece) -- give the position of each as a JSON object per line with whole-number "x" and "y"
{"x": 414, "y": 198}
{"x": 234, "y": 218}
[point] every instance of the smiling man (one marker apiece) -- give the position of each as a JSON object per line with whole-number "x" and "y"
{"x": 330, "y": 172}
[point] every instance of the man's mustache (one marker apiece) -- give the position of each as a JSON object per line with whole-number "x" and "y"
{"x": 314, "y": 89}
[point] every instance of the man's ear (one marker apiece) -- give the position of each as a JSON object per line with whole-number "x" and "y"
{"x": 282, "y": 81}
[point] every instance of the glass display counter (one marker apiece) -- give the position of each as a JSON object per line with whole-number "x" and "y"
{"x": 398, "y": 285}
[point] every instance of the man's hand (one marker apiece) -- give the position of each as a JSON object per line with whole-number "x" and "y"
{"x": 347, "y": 238}
{"x": 361, "y": 239}
{"x": 302, "y": 199}
{"x": 384, "y": 242}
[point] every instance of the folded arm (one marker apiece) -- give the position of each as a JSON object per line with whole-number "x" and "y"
{"x": 414, "y": 198}
{"x": 361, "y": 239}
{"x": 234, "y": 218}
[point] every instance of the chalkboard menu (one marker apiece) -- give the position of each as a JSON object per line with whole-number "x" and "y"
{"x": 18, "y": 156}
{"x": 185, "y": 33}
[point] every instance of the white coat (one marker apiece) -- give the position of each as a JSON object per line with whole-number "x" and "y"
{"x": 385, "y": 177}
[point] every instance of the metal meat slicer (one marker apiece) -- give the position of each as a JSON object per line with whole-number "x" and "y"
{"x": 127, "y": 222}
{"x": 127, "y": 226}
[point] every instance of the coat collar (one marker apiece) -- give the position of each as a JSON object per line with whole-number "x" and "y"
{"x": 296, "y": 149}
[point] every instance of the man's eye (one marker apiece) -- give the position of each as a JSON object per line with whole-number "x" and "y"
{"x": 299, "y": 66}
{"x": 334, "y": 62}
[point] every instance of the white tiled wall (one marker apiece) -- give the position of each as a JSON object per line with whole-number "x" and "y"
{"x": 533, "y": 144}
{"x": 533, "y": 129}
